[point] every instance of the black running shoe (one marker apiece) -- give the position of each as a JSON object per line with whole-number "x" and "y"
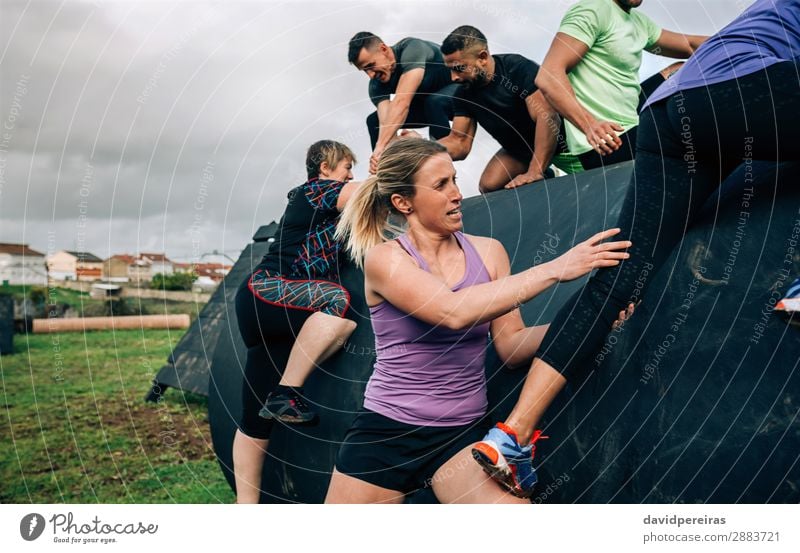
{"x": 287, "y": 407}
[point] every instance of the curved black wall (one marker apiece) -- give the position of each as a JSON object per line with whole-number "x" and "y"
{"x": 695, "y": 400}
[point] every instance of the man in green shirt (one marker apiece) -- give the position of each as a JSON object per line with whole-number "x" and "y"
{"x": 590, "y": 75}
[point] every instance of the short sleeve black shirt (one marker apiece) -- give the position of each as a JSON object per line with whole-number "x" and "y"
{"x": 413, "y": 53}
{"x": 499, "y": 107}
{"x": 304, "y": 247}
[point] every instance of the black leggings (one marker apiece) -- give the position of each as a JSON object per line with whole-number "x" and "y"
{"x": 687, "y": 145}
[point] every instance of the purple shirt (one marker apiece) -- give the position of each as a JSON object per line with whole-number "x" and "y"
{"x": 766, "y": 33}
{"x": 429, "y": 375}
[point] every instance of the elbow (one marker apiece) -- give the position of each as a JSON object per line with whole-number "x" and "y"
{"x": 454, "y": 323}
{"x": 456, "y": 147}
{"x": 453, "y": 320}
{"x": 543, "y": 81}
{"x": 508, "y": 358}
{"x": 461, "y": 152}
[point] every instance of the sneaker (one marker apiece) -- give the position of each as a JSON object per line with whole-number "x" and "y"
{"x": 507, "y": 462}
{"x": 790, "y": 305}
{"x": 287, "y": 407}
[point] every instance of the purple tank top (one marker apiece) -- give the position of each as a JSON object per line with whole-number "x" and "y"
{"x": 429, "y": 375}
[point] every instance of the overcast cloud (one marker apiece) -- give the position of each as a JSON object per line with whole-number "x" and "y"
{"x": 179, "y": 127}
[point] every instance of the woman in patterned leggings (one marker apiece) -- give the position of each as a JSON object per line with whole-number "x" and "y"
{"x": 293, "y": 295}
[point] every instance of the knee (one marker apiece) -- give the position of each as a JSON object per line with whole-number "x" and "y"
{"x": 252, "y": 431}
{"x": 483, "y": 189}
{"x": 488, "y": 184}
{"x": 345, "y": 327}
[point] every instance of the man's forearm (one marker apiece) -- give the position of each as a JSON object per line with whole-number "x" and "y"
{"x": 559, "y": 92}
{"x": 395, "y": 117}
{"x": 544, "y": 142}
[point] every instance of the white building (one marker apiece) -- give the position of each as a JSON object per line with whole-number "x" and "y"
{"x": 67, "y": 265}
{"x": 158, "y": 263}
{"x": 21, "y": 265}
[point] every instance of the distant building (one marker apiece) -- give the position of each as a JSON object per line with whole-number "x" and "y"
{"x": 213, "y": 271}
{"x": 21, "y": 265}
{"x": 117, "y": 268}
{"x": 69, "y": 265}
{"x": 158, "y": 263}
{"x": 139, "y": 271}
{"x": 136, "y": 268}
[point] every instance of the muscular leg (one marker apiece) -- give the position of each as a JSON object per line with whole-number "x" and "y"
{"x": 500, "y": 170}
{"x": 320, "y": 337}
{"x": 461, "y": 480}
{"x": 248, "y": 460}
{"x": 347, "y": 489}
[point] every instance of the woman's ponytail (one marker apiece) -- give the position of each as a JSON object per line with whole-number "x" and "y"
{"x": 363, "y": 220}
{"x": 369, "y": 217}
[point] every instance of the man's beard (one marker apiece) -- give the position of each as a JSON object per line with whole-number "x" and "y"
{"x": 479, "y": 80}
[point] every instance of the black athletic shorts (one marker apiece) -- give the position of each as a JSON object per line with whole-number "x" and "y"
{"x": 399, "y": 456}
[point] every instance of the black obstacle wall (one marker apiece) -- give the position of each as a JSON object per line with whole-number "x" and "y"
{"x": 188, "y": 365}
{"x": 709, "y": 415}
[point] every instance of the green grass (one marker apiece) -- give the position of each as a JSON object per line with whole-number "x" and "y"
{"x": 75, "y": 428}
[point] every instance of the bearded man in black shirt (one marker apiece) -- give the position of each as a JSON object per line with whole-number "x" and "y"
{"x": 498, "y": 93}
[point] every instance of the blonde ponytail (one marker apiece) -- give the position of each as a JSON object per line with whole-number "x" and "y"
{"x": 363, "y": 219}
{"x": 369, "y": 217}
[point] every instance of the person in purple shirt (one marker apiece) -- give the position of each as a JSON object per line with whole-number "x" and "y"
{"x": 737, "y": 96}
{"x": 434, "y": 296}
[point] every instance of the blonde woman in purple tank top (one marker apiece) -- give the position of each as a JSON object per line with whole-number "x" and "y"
{"x": 435, "y": 294}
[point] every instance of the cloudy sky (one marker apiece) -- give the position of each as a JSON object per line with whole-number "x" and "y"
{"x": 179, "y": 126}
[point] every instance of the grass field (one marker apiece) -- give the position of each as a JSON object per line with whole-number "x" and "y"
{"x": 75, "y": 428}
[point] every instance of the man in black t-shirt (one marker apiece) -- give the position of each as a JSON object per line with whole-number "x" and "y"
{"x": 498, "y": 93}
{"x": 414, "y": 71}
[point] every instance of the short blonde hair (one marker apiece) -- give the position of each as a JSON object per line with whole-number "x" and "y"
{"x": 329, "y": 151}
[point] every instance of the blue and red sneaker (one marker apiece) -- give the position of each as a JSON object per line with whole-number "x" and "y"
{"x": 507, "y": 462}
{"x": 790, "y": 304}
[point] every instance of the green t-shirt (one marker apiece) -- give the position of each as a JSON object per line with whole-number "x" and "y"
{"x": 606, "y": 80}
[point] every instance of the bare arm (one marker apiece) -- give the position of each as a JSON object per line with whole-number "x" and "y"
{"x": 459, "y": 141}
{"x": 346, "y": 193}
{"x": 515, "y": 343}
{"x": 676, "y": 45}
{"x": 393, "y": 115}
{"x": 564, "y": 54}
{"x": 392, "y": 275}
{"x": 544, "y": 142}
